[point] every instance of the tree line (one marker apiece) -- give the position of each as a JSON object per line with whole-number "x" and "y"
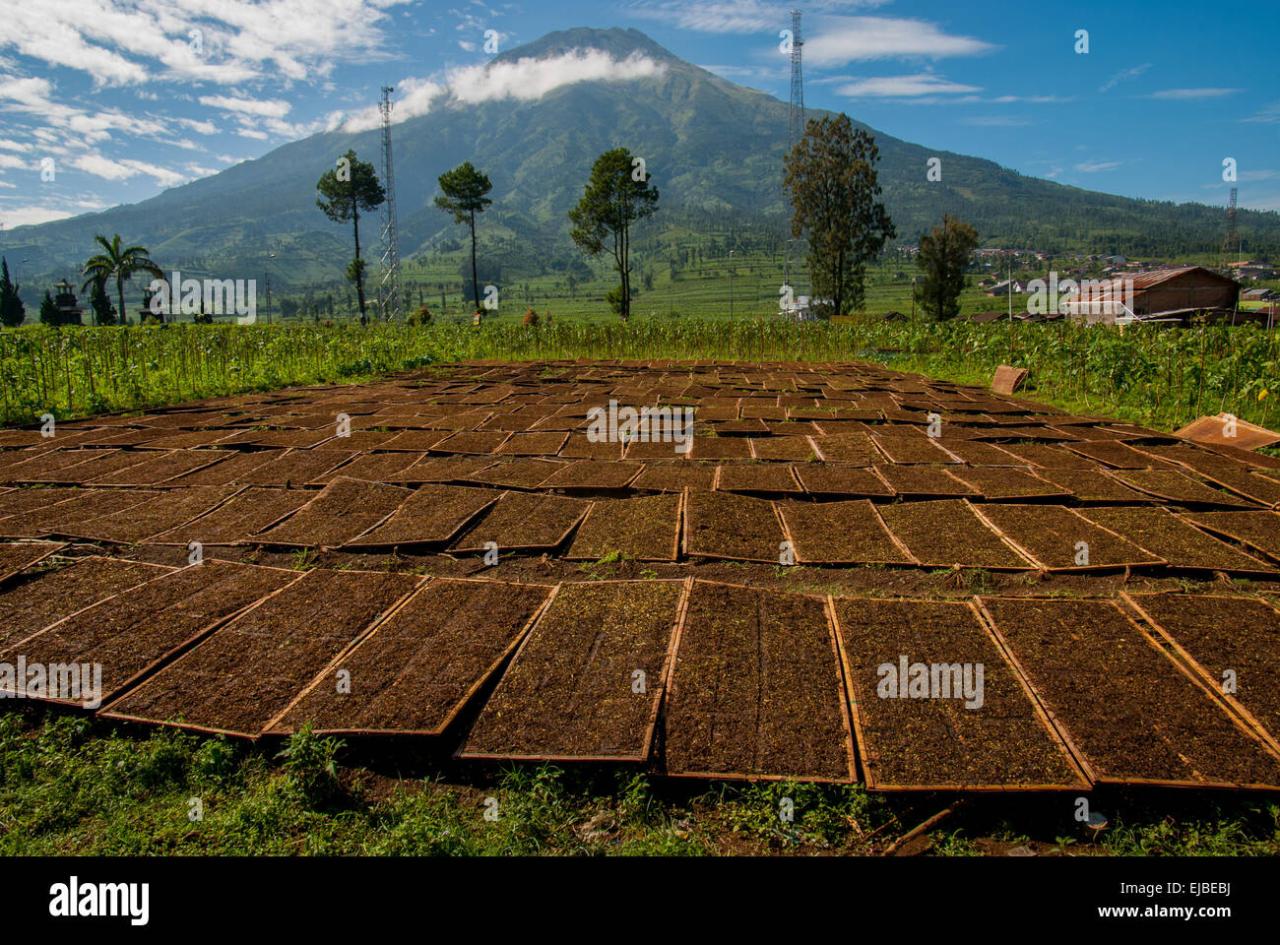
{"x": 830, "y": 175}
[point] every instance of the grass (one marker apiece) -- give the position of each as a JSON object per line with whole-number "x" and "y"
{"x": 69, "y": 785}
{"x": 1161, "y": 377}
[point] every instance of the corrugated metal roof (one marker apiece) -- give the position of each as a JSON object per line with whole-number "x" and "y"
{"x": 1146, "y": 280}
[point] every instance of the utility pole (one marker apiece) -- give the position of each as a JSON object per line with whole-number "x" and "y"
{"x": 731, "y": 283}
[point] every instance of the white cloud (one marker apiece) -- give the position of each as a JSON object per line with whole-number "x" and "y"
{"x": 203, "y": 127}
{"x": 1268, "y": 115}
{"x": 414, "y": 97}
{"x": 123, "y": 169}
{"x": 1094, "y": 167}
{"x": 220, "y": 41}
{"x": 1185, "y": 95}
{"x": 734, "y": 16}
{"x": 29, "y": 216}
{"x": 531, "y": 79}
{"x": 12, "y": 163}
{"x": 1124, "y": 75}
{"x": 995, "y": 121}
{"x": 263, "y": 107}
{"x": 841, "y": 39}
{"x": 521, "y": 79}
{"x": 904, "y": 86}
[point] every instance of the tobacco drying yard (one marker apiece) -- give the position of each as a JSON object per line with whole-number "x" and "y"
{"x": 530, "y": 640}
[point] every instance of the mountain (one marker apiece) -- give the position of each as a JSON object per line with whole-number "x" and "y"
{"x": 714, "y": 149}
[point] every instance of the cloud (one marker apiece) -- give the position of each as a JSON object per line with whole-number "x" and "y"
{"x": 521, "y": 80}
{"x": 841, "y": 39}
{"x": 528, "y": 80}
{"x": 1187, "y": 95}
{"x": 218, "y": 41}
{"x": 904, "y": 86}
{"x": 1124, "y": 75}
{"x": 1269, "y": 115}
{"x": 125, "y": 168}
{"x": 203, "y": 127}
{"x": 995, "y": 121}
{"x": 733, "y": 16}
{"x": 1094, "y": 167}
{"x": 264, "y": 107}
{"x": 29, "y": 216}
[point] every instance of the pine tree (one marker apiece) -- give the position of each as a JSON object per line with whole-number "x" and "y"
{"x": 11, "y": 309}
{"x": 48, "y": 310}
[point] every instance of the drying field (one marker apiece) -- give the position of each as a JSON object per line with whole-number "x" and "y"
{"x": 843, "y": 574}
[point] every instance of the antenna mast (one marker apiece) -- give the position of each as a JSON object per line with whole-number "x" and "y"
{"x": 389, "y": 290}
{"x": 797, "y": 116}
{"x": 797, "y": 79}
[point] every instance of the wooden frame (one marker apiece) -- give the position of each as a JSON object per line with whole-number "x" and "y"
{"x": 865, "y": 753}
{"x": 1063, "y": 733}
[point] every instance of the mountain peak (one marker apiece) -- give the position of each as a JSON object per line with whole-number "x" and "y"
{"x": 619, "y": 43}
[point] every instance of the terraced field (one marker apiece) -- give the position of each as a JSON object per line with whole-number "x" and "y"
{"x": 837, "y": 572}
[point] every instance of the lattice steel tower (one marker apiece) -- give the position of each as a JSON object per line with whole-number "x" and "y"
{"x": 389, "y": 290}
{"x": 797, "y": 79}
{"x": 1231, "y": 241}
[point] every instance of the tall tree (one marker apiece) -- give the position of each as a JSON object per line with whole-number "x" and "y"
{"x": 618, "y": 195}
{"x": 120, "y": 263}
{"x": 351, "y": 186}
{"x": 835, "y": 193}
{"x": 11, "y": 309}
{"x": 465, "y": 194}
{"x": 944, "y": 256}
{"x": 100, "y": 302}
{"x": 48, "y": 310}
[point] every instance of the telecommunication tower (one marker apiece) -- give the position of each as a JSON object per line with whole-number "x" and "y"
{"x": 797, "y": 79}
{"x": 1231, "y": 241}
{"x": 389, "y": 289}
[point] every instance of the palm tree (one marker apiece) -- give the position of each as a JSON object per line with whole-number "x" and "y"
{"x": 119, "y": 263}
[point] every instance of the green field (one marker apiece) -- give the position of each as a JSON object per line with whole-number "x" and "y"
{"x": 72, "y": 786}
{"x": 1162, "y": 377}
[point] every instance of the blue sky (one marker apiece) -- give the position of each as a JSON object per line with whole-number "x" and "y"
{"x": 104, "y": 102}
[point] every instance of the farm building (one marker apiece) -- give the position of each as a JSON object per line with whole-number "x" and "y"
{"x": 1167, "y": 293}
{"x": 1191, "y": 288}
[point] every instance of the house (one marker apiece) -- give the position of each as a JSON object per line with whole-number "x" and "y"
{"x": 1253, "y": 270}
{"x": 1002, "y": 289}
{"x": 64, "y": 300}
{"x": 800, "y": 308}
